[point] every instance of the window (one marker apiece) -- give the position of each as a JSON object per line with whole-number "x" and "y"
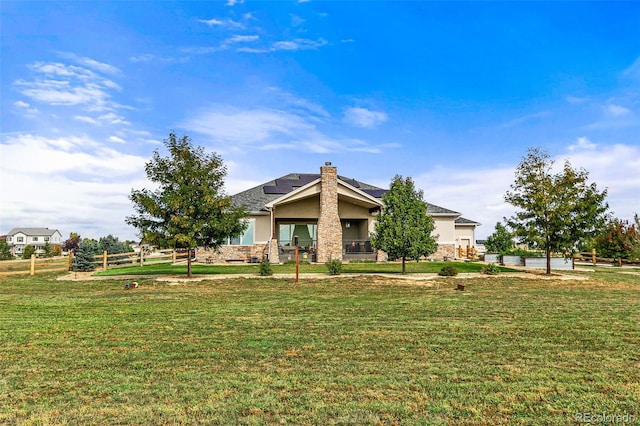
{"x": 245, "y": 239}
{"x": 46, "y": 239}
{"x": 20, "y": 239}
{"x": 306, "y": 233}
{"x": 35, "y": 238}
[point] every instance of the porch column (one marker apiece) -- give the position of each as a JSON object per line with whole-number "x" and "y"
{"x": 329, "y": 227}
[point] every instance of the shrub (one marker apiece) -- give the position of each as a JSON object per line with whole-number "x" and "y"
{"x": 28, "y": 251}
{"x": 491, "y": 269}
{"x": 448, "y": 271}
{"x": 265, "y": 268}
{"x": 334, "y": 266}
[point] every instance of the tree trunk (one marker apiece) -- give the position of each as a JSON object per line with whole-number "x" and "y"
{"x": 404, "y": 271}
{"x": 548, "y": 261}
{"x": 189, "y": 262}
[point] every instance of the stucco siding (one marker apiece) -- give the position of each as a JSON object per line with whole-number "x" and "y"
{"x": 309, "y": 208}
{"x": 444, "y": 228}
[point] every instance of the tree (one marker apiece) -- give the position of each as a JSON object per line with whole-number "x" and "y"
{"x": 72, "y": 243}
{"x": 557, "y": 211}
{"x": 84, "y": 259}
{"x": 403, "y": 227}
{"x": 113, "y": 245}
{"x": 619, "y": 239}
{"x": 500, "y": 241}
{"x": 5, "y": 251}
{"x": 28, "y": 251}
{"x": 189, "y": 208}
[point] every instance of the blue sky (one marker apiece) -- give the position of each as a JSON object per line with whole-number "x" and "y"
{"x": 449, "y": 93}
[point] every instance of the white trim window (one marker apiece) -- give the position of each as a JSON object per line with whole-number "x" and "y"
{"x": 247, "y": 238}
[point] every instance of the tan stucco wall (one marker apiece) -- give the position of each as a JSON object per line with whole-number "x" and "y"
{"x": 444, "y": 228}
{"x": 347, "y": 210}
{"x": 465, "y": 232}
{"x": 308, "y": 208}
{"x": 262, "y": 229}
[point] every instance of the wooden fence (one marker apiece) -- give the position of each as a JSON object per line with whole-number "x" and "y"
{"x": 593, "y": 258}
{"x": 104, "y": 261}
{"x": 35, "y": 264}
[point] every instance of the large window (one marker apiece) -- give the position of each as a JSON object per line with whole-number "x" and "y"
{"x": 245, "y": 239}
{"x": 306, "y": 233}
{"x": 20, "y": 239}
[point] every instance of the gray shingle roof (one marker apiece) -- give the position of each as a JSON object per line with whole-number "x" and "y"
{"x": 464, "y": 221}
{"x": 33, "y": 231}
{"x": 255, "y": 199}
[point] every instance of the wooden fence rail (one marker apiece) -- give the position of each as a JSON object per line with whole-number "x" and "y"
{"x": 592, "y": 257}
{"x": 104, "y": 260}
{"x": 35, "y": 264}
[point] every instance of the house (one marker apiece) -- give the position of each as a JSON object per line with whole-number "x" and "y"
{"x": 19, "y": 238}
{"x": 332, "y": 217}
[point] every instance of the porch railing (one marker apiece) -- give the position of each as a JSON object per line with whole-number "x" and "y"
{"x": 357, "y": 246}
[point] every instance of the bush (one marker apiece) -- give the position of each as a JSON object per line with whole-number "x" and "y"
{"x": 334, "y": 266}
{"x": 448, "y": 271}
{"x": 265, "y": 268}
{"x": 492, "y": 269}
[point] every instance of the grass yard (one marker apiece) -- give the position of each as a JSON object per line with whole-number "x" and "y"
{"x": 339, "y": 351}
{"x": 289, "y": 268}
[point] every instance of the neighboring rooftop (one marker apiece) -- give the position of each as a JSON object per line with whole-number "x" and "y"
{"x": 32, "y": 231}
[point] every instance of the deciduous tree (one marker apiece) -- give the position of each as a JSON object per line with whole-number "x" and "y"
{"x": 556, "y": 211}
{"x": 189, "y": 207}
{"x": 500, "y": 241}
{"x": 403, "y": 228}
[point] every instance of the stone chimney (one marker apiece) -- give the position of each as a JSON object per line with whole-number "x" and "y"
{"x": 329, "y": 227}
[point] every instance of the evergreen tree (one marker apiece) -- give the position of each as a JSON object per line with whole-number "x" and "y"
{"x": 5, "y": 251}
{"x": 84, "y": 259}
{"x": 403, "y": 227}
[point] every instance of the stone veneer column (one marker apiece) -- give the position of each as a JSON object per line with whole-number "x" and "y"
{"x": 329, "y": 227}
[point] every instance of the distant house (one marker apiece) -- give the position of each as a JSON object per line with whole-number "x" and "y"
{"x": 332, "y": 216}
{"x": 19, "y": 238}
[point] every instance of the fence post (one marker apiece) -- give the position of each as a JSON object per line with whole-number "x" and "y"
{"x": 173, "y": 256}
{"x": 70, "y": 260}
{"x": 141, "y": 256}
{"x": 33, "y": 264}
{"x": 104, "y": 260}
{"x": 593, "y": 256}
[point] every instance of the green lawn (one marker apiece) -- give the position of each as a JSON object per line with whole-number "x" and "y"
{"x": 369, "y": 268}
{"x": 363, "y": 350}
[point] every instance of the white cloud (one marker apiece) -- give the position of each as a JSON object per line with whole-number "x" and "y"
{"x": 582, "y": 144}
{"x": 617, "y": 110}
{"x": 116, "y": 139}
{"x": 362, "y": 117}
{"x": 21, "y": 104}
{"x": 299, "y": 44}
{"x": 235, "y": 129}
{"x": 70, "y": 180}
{"x": 234, "y": 2}
{"x": 633, "y": 71}
{"x": 610, "y": 166}
{"x": 86, "y": 119}
{"x": 224, "y": 23}
{"x": 241, "y": 39}
{"x": 91, "y": 63}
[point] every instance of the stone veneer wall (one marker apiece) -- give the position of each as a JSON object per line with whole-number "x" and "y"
{"x": 329, "y": 227}
{"x": 228, "y": 253}
{"x": 444, "y": 250}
